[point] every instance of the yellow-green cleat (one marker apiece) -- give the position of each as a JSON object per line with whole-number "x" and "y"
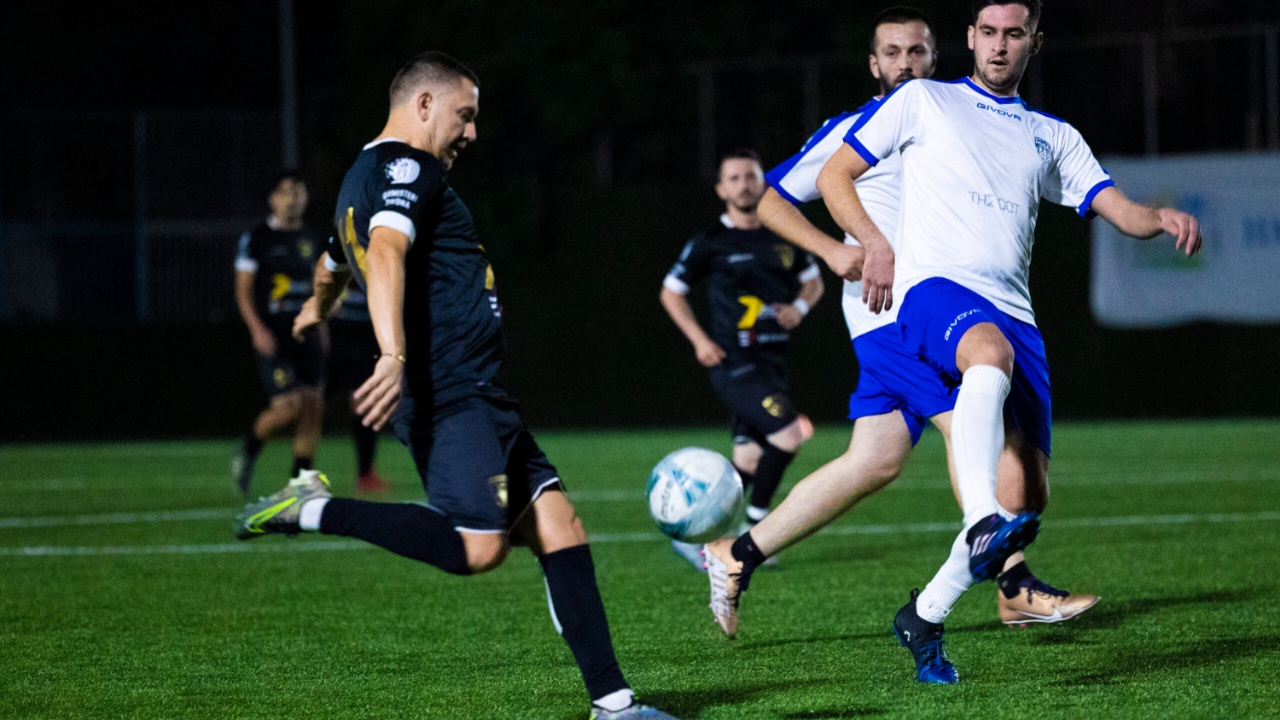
{"x": 279, "y": 513}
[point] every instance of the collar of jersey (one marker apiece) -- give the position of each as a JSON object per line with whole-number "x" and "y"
{"x": 1002, "y": 100}
{"x": 384, "y": 140}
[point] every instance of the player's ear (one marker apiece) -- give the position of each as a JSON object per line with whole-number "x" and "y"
{"x": 874, "y": 66}
{"x": 1037, "y": 41}
{"x": 971, "y": 31}
{"x": 424, "y": 105}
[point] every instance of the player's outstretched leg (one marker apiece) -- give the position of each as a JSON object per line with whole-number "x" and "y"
{"x": 1023, "y": 598}
{"x": 924, "y": 640}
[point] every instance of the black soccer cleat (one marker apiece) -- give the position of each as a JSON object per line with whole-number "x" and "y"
{"x": 993, "y": 539}
{"x": 924, "y": 640}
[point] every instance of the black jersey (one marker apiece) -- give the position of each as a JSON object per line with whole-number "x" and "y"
{"x": 282, "y": 262}
{"x": 747, "y": 271}
{"x": 452, "y": 318}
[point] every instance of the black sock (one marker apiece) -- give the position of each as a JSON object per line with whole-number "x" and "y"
{"x": 366, "y": 439}
{"x": 252, "y": 445}
{"x": 745, "y": 551}
{"x": 300, "y": 463}
{"x": 579, "y": 613}
{"x": 1011, "y": 580}
{"x": 773, "y": 463}
{"x": 406, "y": 529}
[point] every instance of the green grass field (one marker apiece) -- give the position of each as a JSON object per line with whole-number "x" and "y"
{"x": 123, "y": 594}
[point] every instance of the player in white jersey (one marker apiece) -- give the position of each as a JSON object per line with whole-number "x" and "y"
{"x": 896, "y": 391}
{"x": 976, "y": 161}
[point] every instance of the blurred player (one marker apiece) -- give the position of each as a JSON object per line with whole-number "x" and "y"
{"x": 353, "y": 352}
{"x": 897, "y": 392}
{"x": 977, "y": 161}
{"x": 759, "y": 289}
{"x": 412, "y": 245}
{"x": 273, "y": 280}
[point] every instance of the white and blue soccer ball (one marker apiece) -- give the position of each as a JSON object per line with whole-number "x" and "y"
{"x": 695, "y": 495}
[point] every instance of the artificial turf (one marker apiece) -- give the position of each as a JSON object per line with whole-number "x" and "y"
{"x": 123, "y": 594}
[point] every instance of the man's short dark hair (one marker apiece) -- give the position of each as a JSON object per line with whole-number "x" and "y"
{"x": 742, "y": 153}
{"x": 430, "y": 67}
{"x": 898, "y": 15}
{"x": 1033, "y": 8}
{"x": 286, "y": 174}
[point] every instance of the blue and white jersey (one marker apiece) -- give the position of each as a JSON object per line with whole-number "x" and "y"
{"x": 974, "y": 169}
{"x": 879, "y": 189}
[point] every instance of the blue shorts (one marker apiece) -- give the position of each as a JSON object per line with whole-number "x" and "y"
{"x": 890, "y": 378}
{"x": 934, "y": 316}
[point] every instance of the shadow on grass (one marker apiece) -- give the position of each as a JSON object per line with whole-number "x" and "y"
{"x": 783, "y": 642}
{"x": 835, "y": 714}
{"x": 1128, "y": 662}
{"x": 690, "y": 703}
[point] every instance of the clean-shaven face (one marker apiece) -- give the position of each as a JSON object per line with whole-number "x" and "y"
{"x": 1003, "y": 41}
{"x": 903, "y": 51}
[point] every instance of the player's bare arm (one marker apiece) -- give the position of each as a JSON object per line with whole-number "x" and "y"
{"x": 677, "y": 306}
{"x": 263, "y": 342}
{"x": 787, "y": 221}
{"x": 836, "y": 182}
{"x": 1145, "y": 222}
{"x": 378, "y": 396}
{"x": 327, "y": 288}
{"x": 790, "y": 316}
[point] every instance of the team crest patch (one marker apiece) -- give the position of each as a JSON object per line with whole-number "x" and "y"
{"x": 773, "y": 405}
{"x": 403, "y": 171}
{"x": 1045, "y": 149}
{"x": 787, "y": 255}
{"x": 498, "y": 483}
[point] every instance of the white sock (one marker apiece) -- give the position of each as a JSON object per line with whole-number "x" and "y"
{"x": 953, "y": 578}
{"x": 756, "y": 514}
{"x": 309, "y": 515}
{"x": 615, "y": 701}
{"x": 1005, "y": 514}
{"x": 977, "y": 437}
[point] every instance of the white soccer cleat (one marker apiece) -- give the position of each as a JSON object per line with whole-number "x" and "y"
{"x": 724, "y": 590}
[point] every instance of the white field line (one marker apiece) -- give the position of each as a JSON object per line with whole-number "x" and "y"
{"x": 640, "y": 537}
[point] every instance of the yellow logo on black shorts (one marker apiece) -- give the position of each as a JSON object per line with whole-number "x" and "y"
{"x": 774, "y": 405}
{"x": 280, "y": 377}
{"x": 498, "y": 483}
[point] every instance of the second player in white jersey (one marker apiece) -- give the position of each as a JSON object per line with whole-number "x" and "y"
{"x": 958, "y": 220}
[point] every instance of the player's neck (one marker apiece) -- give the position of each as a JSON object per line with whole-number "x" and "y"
{"x": 408, "y": 132}
{"x": 740, "y": 220}
{"x": 275, "y": 222}
{"x": 1011, "y": 92}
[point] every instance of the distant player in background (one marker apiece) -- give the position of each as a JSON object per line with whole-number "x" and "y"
{"x": 353, "y": 352}
{"x": 759, "y": 289}
{"x": 273, "y": 279}
{"x": 897, "y": 392}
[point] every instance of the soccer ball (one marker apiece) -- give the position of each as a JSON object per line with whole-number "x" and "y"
{"x": 695, "y": 495}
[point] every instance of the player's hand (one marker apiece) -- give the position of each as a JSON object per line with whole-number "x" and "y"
{"x": 1184, "y": 228}
{"x": 709, "y": 354}
{"x": 379, "y": 395}
{"x": 263, "y": 341}
{"x": 787, "y": 315}
{"x": 877, "y": 277}
{"x": 845, "y": 261}
{"x": 308, "y": 316}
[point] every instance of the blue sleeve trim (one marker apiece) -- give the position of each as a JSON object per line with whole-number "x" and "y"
{"x": 776, "y": 184}
{"x": 1084, "y": 209}
{"x": 866, "y": 154}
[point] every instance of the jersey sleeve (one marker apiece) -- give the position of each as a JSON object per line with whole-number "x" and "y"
{"x": 246, "y": 256}
{"x": 796, "y": 179}
{"x": 1075, "y": 178}
{"x": 889, "y": 126}
{"x": 403, "y": 187}
{"x": 693, "y": 265}
{"x": 334, "y": 258}
{"x": 807, "y": 267}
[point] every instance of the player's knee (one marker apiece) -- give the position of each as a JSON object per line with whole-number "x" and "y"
{"x": 984, "y": 344}
{"x": 484, "y": 552}
{"x": 790, "y": 438}
{"x": 870, "y": 471}
{"x": 746, "y": 456}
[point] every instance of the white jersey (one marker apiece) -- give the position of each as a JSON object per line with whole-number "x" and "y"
{"x": 974, "y": 168}
{"x": 879, "y": 189}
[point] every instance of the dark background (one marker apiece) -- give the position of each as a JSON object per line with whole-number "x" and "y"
{"x": 585, "y": 183}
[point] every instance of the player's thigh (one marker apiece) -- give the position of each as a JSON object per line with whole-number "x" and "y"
{"x": 551, "y": 524}
{"x": 879, "y": 448}
{"x": 937, "y": 313}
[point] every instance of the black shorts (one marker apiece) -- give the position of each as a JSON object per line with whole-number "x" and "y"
{"x": 478, "y": 462}
{"x": 353, "y": 353}
{"x": 757, "y": 393}
{"x": 296, "y": 364}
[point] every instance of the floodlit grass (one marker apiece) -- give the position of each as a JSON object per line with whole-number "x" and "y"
{"x": 140, "y": 603}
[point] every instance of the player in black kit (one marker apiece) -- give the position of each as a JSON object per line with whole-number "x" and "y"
{"x": 273, "y": 280}
{"x": 759, "y": 288}
{"x": 411, "y": 244}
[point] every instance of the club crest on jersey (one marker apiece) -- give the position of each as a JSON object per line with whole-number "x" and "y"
{"x": 1045, "y": 149}
{"x": 498, "y": 483}
{"x": 403, "y": 171}
{"x": 787, "y": 255}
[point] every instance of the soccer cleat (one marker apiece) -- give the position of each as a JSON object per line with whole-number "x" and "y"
{"x": 924, "y": 640}
{"x": 242, "y": 471}
{"x": 993, "y": 539}
{"x": 372, "y": 482}
{"x": 1038, "y": 602}
{"x": 635, "y": 711}
{"x": 724, "y": 588}
{"x": 279, "y": 513}
{"x": 690, "y": 552}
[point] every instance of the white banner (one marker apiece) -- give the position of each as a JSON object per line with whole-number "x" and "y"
{"x": 1236, "y": 277}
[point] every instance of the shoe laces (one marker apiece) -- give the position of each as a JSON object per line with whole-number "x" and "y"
{"x": 932, "y": 654}
{"x": 1037, "y": 586}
